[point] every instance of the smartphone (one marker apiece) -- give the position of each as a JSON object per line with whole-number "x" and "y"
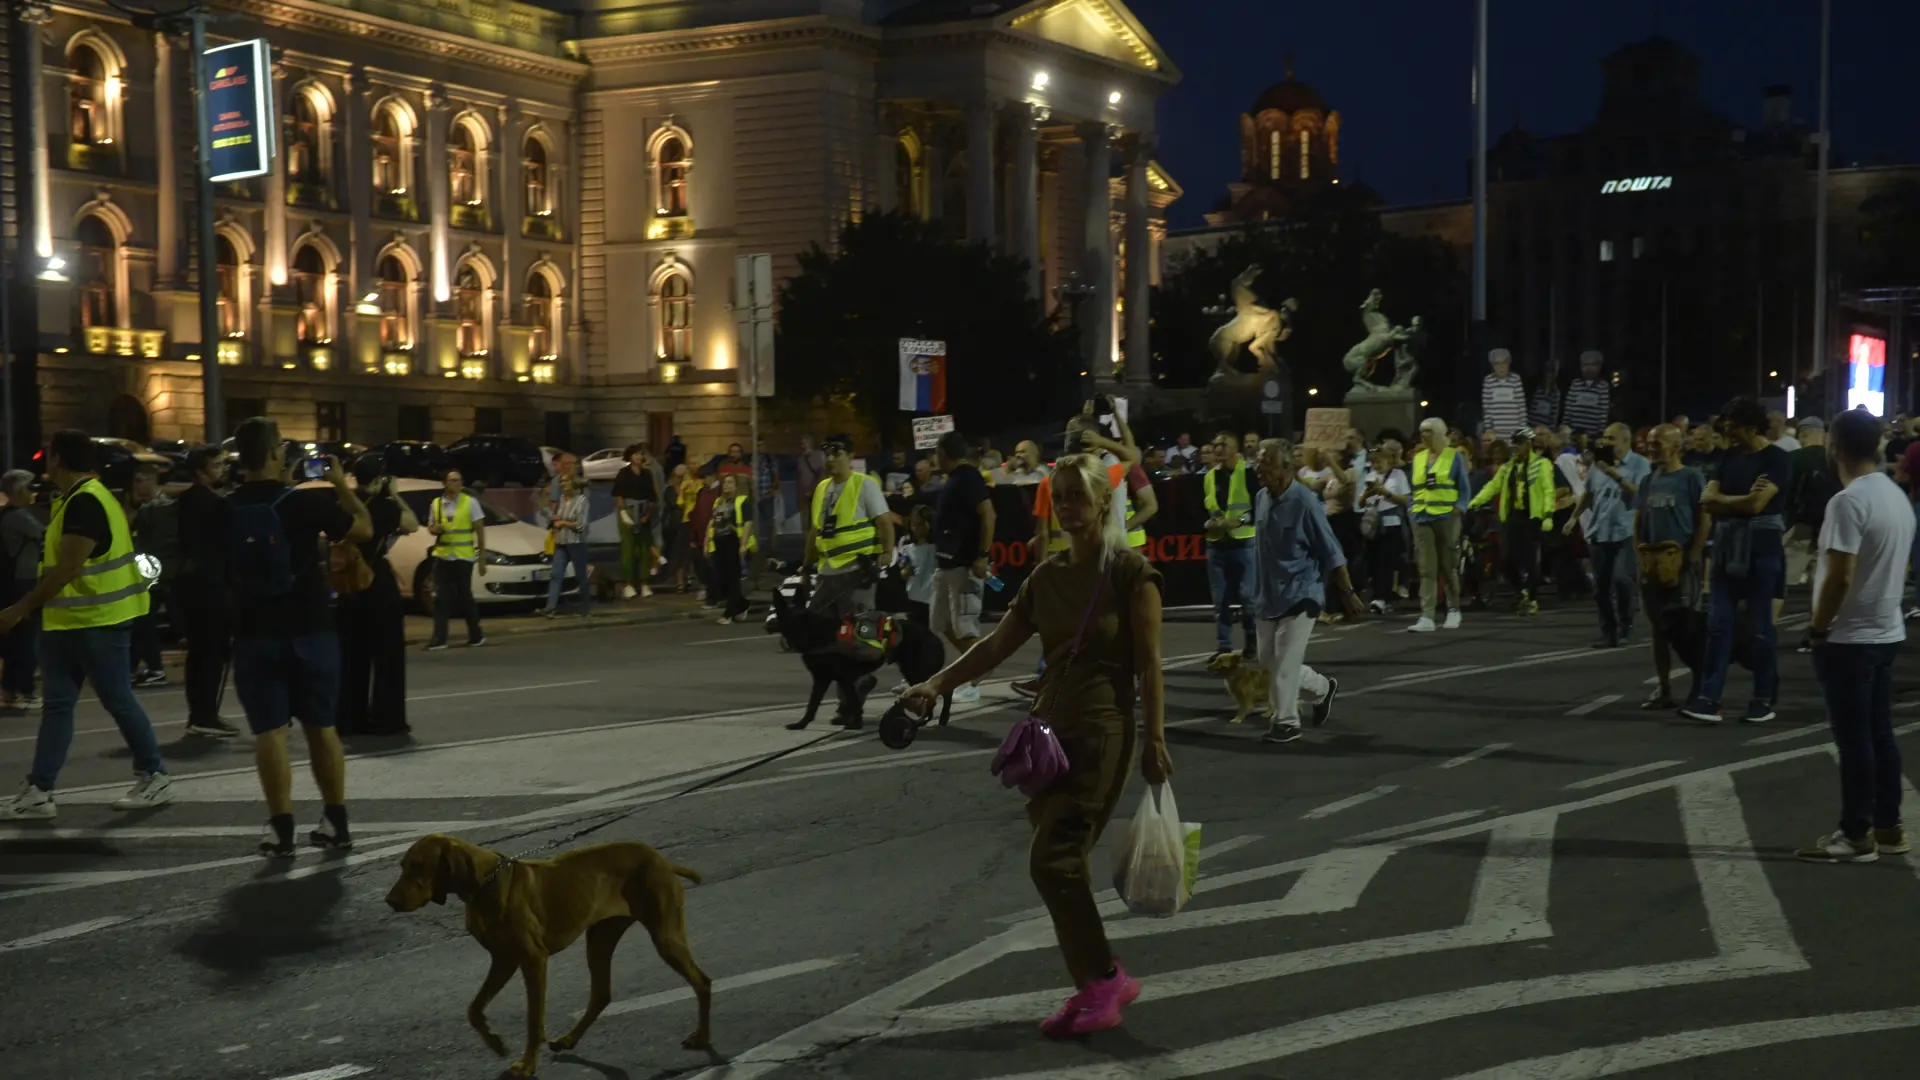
{"x": 313, "y": 468}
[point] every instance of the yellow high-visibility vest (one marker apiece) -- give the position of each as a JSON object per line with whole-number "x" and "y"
{"x": 456, "y": 538}
{"x": 1239, "y": 503}
{"x": 843, "y": 537}
{"x": 740, "y": 529}
{"x": 109, "y": 590}
{"x": 1441, "y": 497}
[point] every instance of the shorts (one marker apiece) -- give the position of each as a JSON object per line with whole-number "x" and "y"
{"x": 282, "y": 679}
{"x": 957, "y": 598}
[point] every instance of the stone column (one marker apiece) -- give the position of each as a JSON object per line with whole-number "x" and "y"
{"x": 355, "y": 279}
{"x": 1096, "y": 254}
{"x": 980, "y": 170}
{"x": 1139, "y": 265}
{"x": 39, "y": 201}
{"x": 439, "y": 207}
{"x": 166, "y": 261}
{"x": 1025, "y": 119}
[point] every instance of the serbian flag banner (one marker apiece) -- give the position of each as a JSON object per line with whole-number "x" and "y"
{"x": 923, "y": 376}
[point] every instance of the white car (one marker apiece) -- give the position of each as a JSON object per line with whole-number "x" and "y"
{"x": 603, "y": 464}
{"x": 517, "y": 563}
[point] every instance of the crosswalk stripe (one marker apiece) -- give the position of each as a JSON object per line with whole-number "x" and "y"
{"x": 734, "y": 982}
{"x": 1415, "y": 826}
{"x": 1475, "y": 755}
{"x": 1595, "y": 705}
{"x": 1622, "y": 774}
{"x": 1349, "y": 802}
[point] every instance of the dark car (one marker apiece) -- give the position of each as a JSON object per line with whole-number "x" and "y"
{"x": 117, "y": 461}
{"x": 498, "y": 460}
{"x": 410, "y": 459}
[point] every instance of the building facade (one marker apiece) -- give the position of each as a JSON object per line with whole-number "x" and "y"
{"x": 489, "y": 216}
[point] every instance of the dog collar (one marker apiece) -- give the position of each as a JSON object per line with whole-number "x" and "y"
{"x": 505, "y": 861}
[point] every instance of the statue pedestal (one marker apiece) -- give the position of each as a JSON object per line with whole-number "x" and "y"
{"x": 1239, "y": 401}
{"x": 1377, "y": 410}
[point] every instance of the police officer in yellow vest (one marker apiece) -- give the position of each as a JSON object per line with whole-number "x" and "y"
{"x": 1440, "y": 492}
{"x": 459, "y": 525}
{"x": 91, "y": 589}
{"x": 849, "y": 536}
{"x": 1230, "y": 552}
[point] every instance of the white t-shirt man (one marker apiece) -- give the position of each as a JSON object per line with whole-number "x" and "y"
{"x": 1872, "y": 520}
{"x": 872, "y": 507}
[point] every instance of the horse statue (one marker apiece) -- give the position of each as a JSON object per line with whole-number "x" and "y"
{"x": 1383, "y": 340}
{"x": 1254, "y": 325}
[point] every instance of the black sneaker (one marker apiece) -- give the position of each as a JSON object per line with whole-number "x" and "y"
{"x": 214, "y": 728}
{"x": 1324, "y": 709}
{"x": 150, "y": 677}
{"x": 273, "y": 847}
{"x": 477, "y": 642}
{"x": 1758, "y": 712}
{"x": 1705, "y": 712}
{"x": 1281, "y": 733}
{"x": 326, "y": 838}
{"x": 436, "y": 646}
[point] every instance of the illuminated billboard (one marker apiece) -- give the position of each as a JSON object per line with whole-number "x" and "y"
{"x": 240, "y": 110}
{"x": 1867, "y": 373}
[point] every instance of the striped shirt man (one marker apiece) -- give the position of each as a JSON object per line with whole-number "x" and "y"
{"x": 1587, "y": 406}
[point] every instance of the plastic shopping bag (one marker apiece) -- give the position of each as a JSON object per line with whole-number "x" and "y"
{"x": 1156, "y": 858}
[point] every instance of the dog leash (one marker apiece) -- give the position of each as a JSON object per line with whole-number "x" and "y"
{"x": 508, "y": 860}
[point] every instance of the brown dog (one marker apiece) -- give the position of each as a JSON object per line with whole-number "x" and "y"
{"x": 524, "y": 912}
{"x": 1247, "y": 684}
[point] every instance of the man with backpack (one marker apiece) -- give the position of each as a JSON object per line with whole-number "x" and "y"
{"x": 286, "y": 656}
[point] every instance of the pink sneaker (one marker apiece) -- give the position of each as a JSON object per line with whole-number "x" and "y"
{"x": 1095, "y": 1008}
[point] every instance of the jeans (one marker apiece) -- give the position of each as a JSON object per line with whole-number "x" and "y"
{"x": 20, "y": 647}
{"x": 1436, "y": 544}
{"x": 1857, "y": 681}
{"x": 1757, "y": 590}
{"x": 563, "y": 554}
{"x": 282, "y": 679}
{"x": 1230, "y": 579}
{"x": 68, "y": 658}
{"x": 1283, "y": 652}
{"x": 1616, "y": 572}
{"x": 146, "y": 635}
{"x": 1520, "y": 551}
{"x": 1386, "y": 553}
{"x": 453, "y": 595}
{"x": 729, "y": 573}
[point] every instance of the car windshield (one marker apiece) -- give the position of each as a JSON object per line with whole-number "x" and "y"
{"x": 422, "y": 504}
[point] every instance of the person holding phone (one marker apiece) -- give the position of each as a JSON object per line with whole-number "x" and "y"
{"x": 635, "y": 500}
{"x": 569, "y": 527}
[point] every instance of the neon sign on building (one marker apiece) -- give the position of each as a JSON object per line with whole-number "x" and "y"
{"x": 1636, "y": 183}
{"x": 1867, "y": 373}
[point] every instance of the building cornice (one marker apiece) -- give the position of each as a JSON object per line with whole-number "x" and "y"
{"x": 927, "y": 38}
{"x": 812, "y": 30}
{"x": 321, "y": 18}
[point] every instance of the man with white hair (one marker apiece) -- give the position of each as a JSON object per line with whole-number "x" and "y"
{"x": 1440, "y": 493}
{"x": 1503, "y": 395}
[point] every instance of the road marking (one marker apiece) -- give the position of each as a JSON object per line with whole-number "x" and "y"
{"x": 1115, "y": 907}
{"x": 1349, "y": 802}
{"x": 1414, "y": 827}
{"x": 1660, "y": 1050}
{"x": 1475, "y": 755}
{"x": 233, "y": 1049}
{"x": 1224, "y": 846}
{"x": 1595, "y": 705}
{"x": 762, "y": 636}
{"x": 1553, "y": 653}
{"x": 337, "y": 1072}
{"x": 734, "y": 982}
{"x": 48, "y": 937}
{"x": 1788, "y": 735}
{"x": 360, "y": 828}
{"x": 1440, "y": 676}
{"x": 1455, "y": 669}
{"x": 1622, "y": 774}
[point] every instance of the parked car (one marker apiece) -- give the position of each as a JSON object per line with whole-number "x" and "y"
{"x": 517, "y": 564}
{"x": 414, "y": 460}
{"x": 603, "y": 464}
{"x": 498, "y": 460}
{"x": 119, "y": 458}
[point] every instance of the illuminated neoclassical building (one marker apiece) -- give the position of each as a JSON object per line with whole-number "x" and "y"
{"x": 488, "y": 215}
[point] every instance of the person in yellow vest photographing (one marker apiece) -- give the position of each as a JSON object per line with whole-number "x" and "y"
{"x": 90, "y": 591}
{"x": 459, "y": 526}
{"x": 1440, "y": 493}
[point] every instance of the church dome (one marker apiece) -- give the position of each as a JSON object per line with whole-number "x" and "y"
{"x": 1290, "y": 96}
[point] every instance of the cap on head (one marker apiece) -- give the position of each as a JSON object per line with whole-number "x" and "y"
{"x": 1523, "y": 435}
{"x": 837, "y": 442}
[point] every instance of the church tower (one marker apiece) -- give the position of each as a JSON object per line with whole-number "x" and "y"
{"x": 1289, "y": 148}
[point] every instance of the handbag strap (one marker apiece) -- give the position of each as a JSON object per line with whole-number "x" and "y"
{"x": 1079, "y": 638}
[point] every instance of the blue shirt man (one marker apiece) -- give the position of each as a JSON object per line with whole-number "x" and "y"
{"x": 1613, "y": 484}
{"x": 1295, "y": 554}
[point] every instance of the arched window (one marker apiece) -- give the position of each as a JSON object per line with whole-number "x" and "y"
{"x": 91, "y": 94}
{"x": 314, "y": 324}
{"x": 469, "y": 296}
{"x": 533, "y": 171}
{"x": 1273, "y": 154}
{"x": 463, "y": 164}
{"x": 392, "y": 151}
{"x": 227, "y": 264}
{"x": 1306, "y": 143}
{"x": 907, "y": 177}
{"x": 540, "y": 317}
{"x": 672, "y": 166}
{"x": 96, "y": 278}
{"x": 303, "y": 140}
{"x": 394, "y": 283}
{"x": 674, "y": 294}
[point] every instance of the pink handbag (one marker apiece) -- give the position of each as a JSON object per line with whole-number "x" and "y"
{"x": 1030, "y": 757}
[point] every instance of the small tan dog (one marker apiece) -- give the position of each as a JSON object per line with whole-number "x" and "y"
{"x": 524, "y": 912}
{"x": 1247, "y": 683}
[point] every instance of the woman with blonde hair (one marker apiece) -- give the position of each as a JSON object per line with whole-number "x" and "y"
{"x": 1096, "y": 607}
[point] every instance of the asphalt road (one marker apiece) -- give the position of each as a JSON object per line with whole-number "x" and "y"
{"x": 1490, "y": 865}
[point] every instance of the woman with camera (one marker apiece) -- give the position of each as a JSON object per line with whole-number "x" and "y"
{"x": 372, "y": 621}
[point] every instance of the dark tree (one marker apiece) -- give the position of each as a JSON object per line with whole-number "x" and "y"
{"x": 893, "y": 276}
{"x": 1328, "y": 259}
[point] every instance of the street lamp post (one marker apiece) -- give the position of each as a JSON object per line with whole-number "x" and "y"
{"x": 214, "y": 409}
{"x": 1074, "y": 292}
{"x": 1819, "y": 357}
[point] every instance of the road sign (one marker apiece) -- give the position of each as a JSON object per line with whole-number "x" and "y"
{"x": 928, "y": 429}
{"x": 240, "y": 121}
{"x": 753, "y": 316}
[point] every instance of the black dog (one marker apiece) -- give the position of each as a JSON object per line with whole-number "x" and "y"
{"x": 814, "y": 636}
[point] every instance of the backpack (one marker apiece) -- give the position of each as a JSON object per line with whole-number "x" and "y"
{"x": 157, "y": 532}
{"x": 259, "y": 560}
{"x": 1817, "y": 486}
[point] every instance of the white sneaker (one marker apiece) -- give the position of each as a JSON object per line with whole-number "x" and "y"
{"x": 725, "y": 621}
{"x": 1423, "y": 626}
{"x": 1453, "y": 620}
{"x": 1836, "y": 848}
{"x": 627, "y": 593}
{"x": 646, "y": 591}
{"x": 148, "y": 790}
{"x": 966, "y": 695}
{"x": 31, "y": 804}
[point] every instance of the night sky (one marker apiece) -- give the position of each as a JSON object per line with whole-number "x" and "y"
{"x": 1398, "y": 71}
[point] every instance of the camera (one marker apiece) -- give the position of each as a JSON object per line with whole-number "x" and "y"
{"x": 313, "y": 468}
{"x": 1604, "y": 453}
